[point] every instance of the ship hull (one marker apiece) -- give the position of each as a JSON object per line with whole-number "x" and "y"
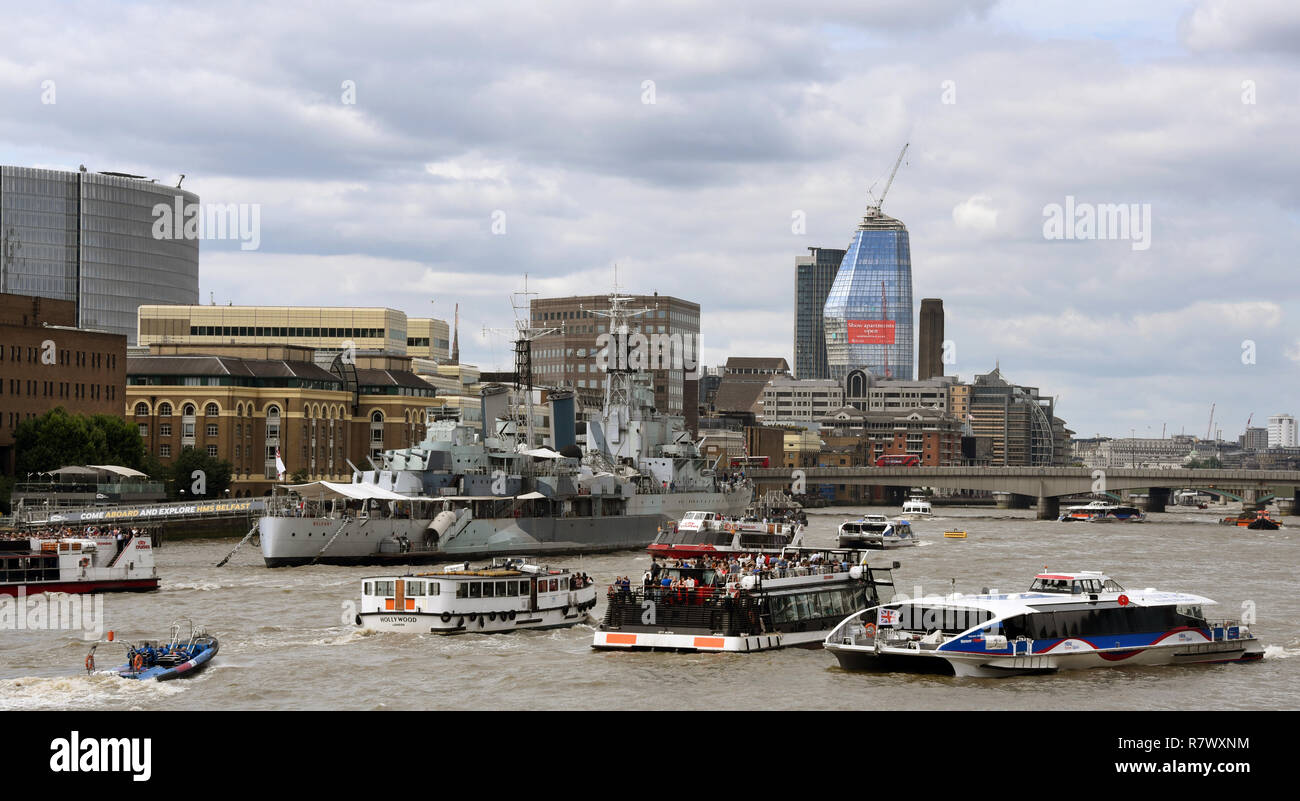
{"x": 290, "y": 541}
{"x": 81, "y": 587}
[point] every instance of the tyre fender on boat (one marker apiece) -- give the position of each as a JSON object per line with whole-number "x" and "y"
{"x": 446, "y": 617}
{"x": 512, "y": 614}
{"x": 358, "y": 619}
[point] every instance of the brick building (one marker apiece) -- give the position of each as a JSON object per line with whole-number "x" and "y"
{"x": 45, "y": 361}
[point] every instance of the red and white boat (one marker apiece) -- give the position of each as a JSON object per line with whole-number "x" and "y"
{"x": 99, "y": 562}
{"x": 714, "y": 534}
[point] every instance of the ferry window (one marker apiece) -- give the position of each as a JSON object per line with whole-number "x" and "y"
{"x": 415, "y": 588}
{"x": 462, "y": 589}
{"x": 384, "y": 588}
{"x": 488, "y": 590}
{"x": 366, "y": 589}
{"x": 501, "y": 589}
{"x": 512, "y": 589}
{"x": 433, "y": 587}
{"x": 555, "y": 585}
{"x": 1111, "y": 586}
{"x": 475, "y": 589}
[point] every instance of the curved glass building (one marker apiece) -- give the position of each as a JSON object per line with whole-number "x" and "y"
{"x": 88, "y": 238}
{"x": 868, "y": 313}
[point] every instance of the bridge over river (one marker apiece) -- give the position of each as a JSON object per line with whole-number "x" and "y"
{"x": 1049, "y": 484}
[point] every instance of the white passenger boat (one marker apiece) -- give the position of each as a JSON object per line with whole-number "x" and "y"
{"x": 507, "y": 595}
{"x": 93, "y": 562}
{"x": 876, "y": 532}
{"x": 716, "y": 534}
{"x": 1065, "y": 621}
{"x": 917, "y": 506}
{"x": 793, "y": 600}
{"x": 1102, "y": 512}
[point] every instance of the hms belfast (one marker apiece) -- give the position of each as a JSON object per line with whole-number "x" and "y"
{"x": 469, "y": 493}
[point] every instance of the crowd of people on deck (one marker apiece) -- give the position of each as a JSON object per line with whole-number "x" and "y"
{"x": 676, "y": 579}
{"x": 118, "y": 533}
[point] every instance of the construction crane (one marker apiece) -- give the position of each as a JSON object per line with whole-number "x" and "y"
{"x": 1209, "y": 430}
{"x": 873, "y": 208}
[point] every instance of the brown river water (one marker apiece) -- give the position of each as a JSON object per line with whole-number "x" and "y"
{"x": 284, "y": 644}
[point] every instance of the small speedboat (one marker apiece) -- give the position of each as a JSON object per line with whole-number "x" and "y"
{"x": 181, "y": 655}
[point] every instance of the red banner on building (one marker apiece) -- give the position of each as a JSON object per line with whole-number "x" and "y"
{"x": 871, "y": 332}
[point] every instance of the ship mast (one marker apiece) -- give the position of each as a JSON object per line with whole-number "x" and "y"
{"x": 524, "y": 334}
{"x": 619, "y": 373}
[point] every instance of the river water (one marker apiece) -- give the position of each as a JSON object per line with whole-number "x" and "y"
{"x": 284, "y": 644}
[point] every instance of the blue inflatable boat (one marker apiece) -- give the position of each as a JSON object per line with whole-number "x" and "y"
{"x": 182, "y": 655}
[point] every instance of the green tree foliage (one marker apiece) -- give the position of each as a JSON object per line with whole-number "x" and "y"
{"x": 58, "y": 439}
{"x": 216, "y": 475}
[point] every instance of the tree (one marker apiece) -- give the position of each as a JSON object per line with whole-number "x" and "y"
{"x": 58, "y": 439}
{"x": 213, "y": 475}
{"x": 300, "y": 476}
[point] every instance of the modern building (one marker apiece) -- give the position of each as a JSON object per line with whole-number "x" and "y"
{"x": 428, "y": 338}
{"x": 89, "y": 238}
{"x": 569, "y": 357}
{"x": 814, "y": 275}
{"x": 326, "y": 328}
{"x": 251, "y": 402}
{"x": 1255, "y": 439}
{"x": 1019, "y": 422}
{"x": 788, "y": 399}
{"x": 46, "y": 361}
{"x": 868, "y": 312}
{"x": 1281, "y": 431}
{"x": 930, "y": 346}
{"x": 867, "y": 393}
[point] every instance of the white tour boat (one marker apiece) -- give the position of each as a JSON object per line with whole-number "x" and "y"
{"x": 1065, "y": 621}
{"x": 1102, "y": 512}
{"x": 792, "y": 600}
{"x": 93, "y": 562}
{"x": 507, "y": 595}
{"x": 917, "y": 506}
{"x": 876, "y": 532}
{"x": 717, "y": 534}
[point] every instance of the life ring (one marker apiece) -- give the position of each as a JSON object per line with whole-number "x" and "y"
{"x": 870, "y": 630}
{"x": 446, "y": 617}
{"x": 90, "y": 663}
{"x": 137, "y": 662}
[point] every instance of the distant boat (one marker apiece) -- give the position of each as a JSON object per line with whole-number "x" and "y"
{"x": 917, "y": 507}
{"x": 1102, "y": 512}
{"x": 954, "y": 535}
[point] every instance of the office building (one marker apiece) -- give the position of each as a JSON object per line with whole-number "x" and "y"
{"x": 327, "y": 328}
{"x": 814, "y": 275}
{"x": 1281, "y": 431}
{"x": 1019, "y": 422}
{"x": 868, "y": 312}
{"x": 46, "y": 361}
{"x": 786, "y": 399}
{"x": 569, "y": 357}
{"x": 89, "y": 238}
{"x": 428, "y": 338}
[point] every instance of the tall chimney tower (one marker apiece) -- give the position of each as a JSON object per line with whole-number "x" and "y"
{"x": 455, "y": 339}
{"x": 930, "y": 352}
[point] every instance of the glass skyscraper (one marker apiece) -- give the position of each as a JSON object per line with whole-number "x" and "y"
{"x": 814, "y": 275}
{"x": 88, "y": 238}
{"x": 868, "y": 313}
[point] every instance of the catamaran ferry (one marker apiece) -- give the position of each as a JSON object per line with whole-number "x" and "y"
{"x": 95, "y": 562}
{"x": 507, "y": 595}
{"x": 876, "y": 532}
{"x": 792, "y": 601}
{"x": 714, "y": 534}
{"x": 1065, "y": 621}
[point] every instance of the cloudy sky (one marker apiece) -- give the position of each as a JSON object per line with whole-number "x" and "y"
{"x": 681, "y": 141}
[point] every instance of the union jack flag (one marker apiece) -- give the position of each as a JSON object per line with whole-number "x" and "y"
{"x": 886, "y": 617}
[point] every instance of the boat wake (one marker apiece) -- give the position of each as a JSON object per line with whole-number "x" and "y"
{"x": 1280, "y": 652}
{"x": 83, "y": 692}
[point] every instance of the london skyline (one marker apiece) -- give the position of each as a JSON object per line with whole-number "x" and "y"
{"x": 703, "y": 148}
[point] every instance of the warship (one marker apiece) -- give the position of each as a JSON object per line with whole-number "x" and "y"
{"x": 469, "y": 491}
